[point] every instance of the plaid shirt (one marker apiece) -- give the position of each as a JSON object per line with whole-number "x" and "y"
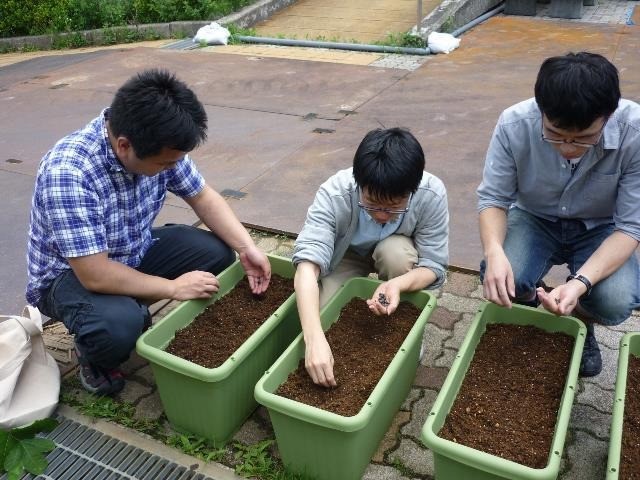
{"x": 85, "y": 202}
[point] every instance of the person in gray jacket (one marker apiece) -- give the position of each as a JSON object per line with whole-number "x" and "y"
{"x": 561, "y": 185}
{"x": 384, "y": 215}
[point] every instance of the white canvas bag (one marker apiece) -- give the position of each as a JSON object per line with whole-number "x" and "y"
{"x": 29, "y": 376}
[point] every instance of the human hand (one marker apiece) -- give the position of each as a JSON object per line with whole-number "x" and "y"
{"x": 385, "y": 299}
{"x": 563, "y": 299}
{"x": 196, "y": 284}
{"x": 318, "y": 360}
{"x": 257, "y": 267}
{"x": 498, "y": 285}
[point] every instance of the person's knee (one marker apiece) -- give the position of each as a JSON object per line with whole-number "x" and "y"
{"x": 111, "y": 338}
{"x": 395, "y": 256}
{"x": 609, "y": 306}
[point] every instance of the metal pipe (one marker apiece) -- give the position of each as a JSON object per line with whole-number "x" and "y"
{"x": 480, "y": 19}
{"x": 360, "y": 47}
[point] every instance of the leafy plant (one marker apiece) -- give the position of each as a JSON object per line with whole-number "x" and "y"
{"x": 122, "y": 413}
{"x": 20, "y": 451}
{"x": 402, "y": 40}
{"x": 197, "y": 447}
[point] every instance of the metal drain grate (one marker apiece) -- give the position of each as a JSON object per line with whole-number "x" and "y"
{"x": 186, "y": 44}
{"x": 82, "y": 453}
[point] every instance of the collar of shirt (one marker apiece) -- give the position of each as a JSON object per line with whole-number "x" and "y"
{"x": 112, "y": 162}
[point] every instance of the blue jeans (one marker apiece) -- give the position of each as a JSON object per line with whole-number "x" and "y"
{"x": 106, "y": 327}
{"x": 533, "y": 245}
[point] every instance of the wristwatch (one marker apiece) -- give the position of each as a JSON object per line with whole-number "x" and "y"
{"x": 583, "y": 279}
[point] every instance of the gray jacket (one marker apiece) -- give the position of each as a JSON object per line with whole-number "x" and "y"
{"x": 332, "y": 221}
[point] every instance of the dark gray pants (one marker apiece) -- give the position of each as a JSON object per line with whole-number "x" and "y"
{"x": 106, "y": 327}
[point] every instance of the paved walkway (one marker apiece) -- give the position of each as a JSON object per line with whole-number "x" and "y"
{"x": 401, "y": 454}
{"x": 364, "y": 21}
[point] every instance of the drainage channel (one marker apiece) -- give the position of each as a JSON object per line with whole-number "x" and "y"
{"x": 83, "y": 453}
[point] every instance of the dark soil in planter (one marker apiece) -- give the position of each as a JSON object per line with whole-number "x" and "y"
{"x": 228, "y": 322}
{"x": 509, "y": 399}
{"x": 630, "y": 455}
{"x": 363, "y": 346}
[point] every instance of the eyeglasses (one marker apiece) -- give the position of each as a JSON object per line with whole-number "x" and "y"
{"x": 595, "y": 136}
{"x": 390, "y": 211}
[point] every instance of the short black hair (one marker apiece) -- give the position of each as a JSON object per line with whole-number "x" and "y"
{"x": 574, "y": 90}
{"x": 154, "y": 110}
{"x": 389, "y": 163}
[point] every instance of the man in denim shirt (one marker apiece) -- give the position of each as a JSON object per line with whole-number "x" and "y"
{"x": 561, "y": 184}
{"x": 95, "y": 262}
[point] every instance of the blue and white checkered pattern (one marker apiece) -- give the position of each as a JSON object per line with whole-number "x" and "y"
{"x": 85, "y": 202}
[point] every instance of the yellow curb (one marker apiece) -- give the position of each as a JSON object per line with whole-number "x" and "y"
{"x": 297, "y": 53}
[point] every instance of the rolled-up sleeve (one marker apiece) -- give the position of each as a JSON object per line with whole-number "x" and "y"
{"x": 316, "y": 241}
{"x": 627, "y": 211}
{"x": 499, "y": 180}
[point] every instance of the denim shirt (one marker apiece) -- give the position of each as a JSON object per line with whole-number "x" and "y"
{"x": 523, "y": 170}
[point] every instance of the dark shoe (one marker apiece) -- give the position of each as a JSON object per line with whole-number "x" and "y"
{"x": 591, "y": 363}
{"x": 99, "y": 381}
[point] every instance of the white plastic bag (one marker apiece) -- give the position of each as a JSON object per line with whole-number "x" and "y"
{"x": 442, "y": 42}
{"x": 212, "y": 34}
{"x": 29, "y": 376}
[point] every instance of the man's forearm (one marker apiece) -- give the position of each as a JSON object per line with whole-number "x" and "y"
{"x": 493, "y": 229}
{"x": 414, "y": 280}
{"x": 609, "y": 257}
{"x": 218, "y": 216}
{"x": 114, "y": 278}
{"x": 308, "y": 298}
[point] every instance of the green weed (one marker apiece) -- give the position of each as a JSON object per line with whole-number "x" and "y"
{"x": 196, "y": 447}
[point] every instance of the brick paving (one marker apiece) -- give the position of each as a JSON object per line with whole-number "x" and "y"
{"x": 401, "y": 454}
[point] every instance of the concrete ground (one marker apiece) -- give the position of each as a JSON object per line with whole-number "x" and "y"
{"x": 280, "y": 126}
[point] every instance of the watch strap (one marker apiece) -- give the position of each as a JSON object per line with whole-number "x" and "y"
{"x": 583, "y": 279}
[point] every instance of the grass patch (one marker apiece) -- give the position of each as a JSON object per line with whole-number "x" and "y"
{"x": 255, "y": 461}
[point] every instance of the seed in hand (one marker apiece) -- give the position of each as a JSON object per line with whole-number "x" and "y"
{"x": 382, "y": 299}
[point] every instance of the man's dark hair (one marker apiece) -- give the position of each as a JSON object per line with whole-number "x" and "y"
{"x": 573, "y": 90}
{"x": 154, "y": 110}
{"x": 388, "y": 163}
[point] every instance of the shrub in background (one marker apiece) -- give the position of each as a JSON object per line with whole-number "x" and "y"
{"x": 36, "y": 17}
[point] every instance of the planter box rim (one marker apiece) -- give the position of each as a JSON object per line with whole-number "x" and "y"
{"x": 492, "y": 463}
{"x": 629, "y": 345}
{"x": 198, "y": 372}
{"x": 328, "y": 419}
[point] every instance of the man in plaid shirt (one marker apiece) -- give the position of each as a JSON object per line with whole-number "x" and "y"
{"x": 95, "y": 261}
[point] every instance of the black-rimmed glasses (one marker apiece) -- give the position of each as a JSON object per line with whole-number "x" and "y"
{"x": 595, "y": 136}
{"x": 390, "y": 211}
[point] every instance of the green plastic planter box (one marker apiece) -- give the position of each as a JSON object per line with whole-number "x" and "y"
{"x": 629, "y": 345}
{"x": 454, "y": 461}
{"x": 214, "y": 402}
{"x": 325, "y": 445}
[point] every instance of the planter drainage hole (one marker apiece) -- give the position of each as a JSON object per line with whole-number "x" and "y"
{"x": 402, "y": 349}
{"x": 557, "y": 452}
{"x": 625, "y": 344}
{"x": 369, "y": 403}
{"x": 613, "y": 469}
{"x": 571, "y": 387}
{"x": 619, "y": 399}
{"x": 233, "y": 359}
{"x": 432, "y": 413}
